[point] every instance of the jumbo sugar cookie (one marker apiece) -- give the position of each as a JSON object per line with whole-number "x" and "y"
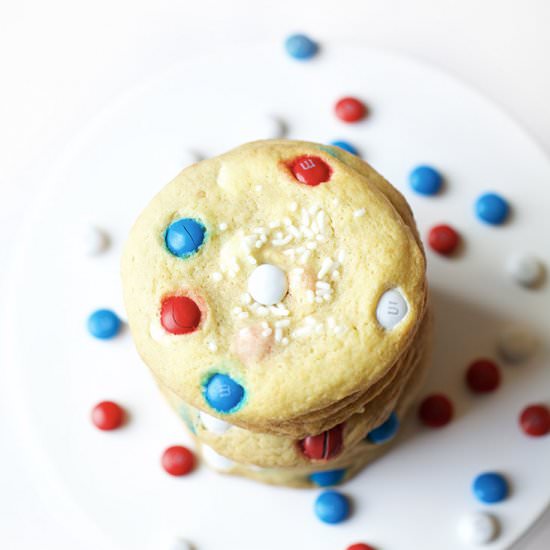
{"x": 275, "y": 285}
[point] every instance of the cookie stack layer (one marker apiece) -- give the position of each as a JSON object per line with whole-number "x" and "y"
{"x": 278, "y": 295}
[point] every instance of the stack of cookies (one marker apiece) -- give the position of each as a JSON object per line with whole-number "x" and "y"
{"x": 278, "y": 295}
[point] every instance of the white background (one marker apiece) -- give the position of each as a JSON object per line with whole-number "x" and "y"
{"x": 62, "y": 61}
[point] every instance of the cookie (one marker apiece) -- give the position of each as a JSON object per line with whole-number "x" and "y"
{"x": 276, "y": 287}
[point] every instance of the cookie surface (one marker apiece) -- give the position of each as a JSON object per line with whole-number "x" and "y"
{"x": 352, "y": 266}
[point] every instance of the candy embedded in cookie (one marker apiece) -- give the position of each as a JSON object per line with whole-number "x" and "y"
{"x": 179, "y": 315}
{"x": 184, "y": 237}
{"x": 223, "y": 394}
{"x": 323, "y": 446}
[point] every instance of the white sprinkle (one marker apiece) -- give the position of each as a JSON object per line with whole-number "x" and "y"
{"x": 313, "y": 208}
{"x": 331, "y": 322}
{"x": 263, "y": 238}
{"x": 320, "y": 238}
{"x": 293, "y": 206}
{"x": 305, "y": 257}
{"x": 279, "y": 311}
{"x": 222, "y": 226}
{"x": 307, "y": 231}
{"x": 341, "y": 256}
{"x": 266, "y": 332}
{"x": 242, "y": 315}
{"x": 301, "y": 249}
{"x": 335, "y": 201}
{"x": 314, "y": 227}
{"x": 339, "y": 329}
{"x": 279, "y": 235}
{"x": 284, "y": 341}
{"x": 252, "y": 260}
{"x": 281, "y": 242}
{"x": 258, "y": 244}
{"x": 237, "y": 310}
{"x": 232, "y": 274}
{"x": 258, "y": 188}
{"x": 310, "y": 296}
{"x": 264, "y": 324}
{"x": 282, "y": 323}
{"x": 318, "y": 299}
{"x": 262, "y": 311}
{"x": 294, "y": 231}
{"x": 302, "y": 331}
{"x": 298, "y": 270}
{"x": 254, "y": 306}
{"x": 322, "y": 284}
{"x": 274, "y": 224}
{"x": 217, "y": 276}
{"x": 319, "y": 328}
{"x": 305, "y": 218}
{"x": 321, "y": 220}
{"x": 311, "y": 245}
{"x": 309, "y": 320}
{"x": 325, "y": 266}
{"x": 335, "y": 274}
{"x": 259, "y": 230}
{"x": 212, "y": 346}
{"x": 327, "y": 297}
{"x": 287, "y": 221}
{"x": 245, "y": 298}
{"x": 358, "y": 213}
{"x": 278, "y": 334}
{"x": 289, "y": 252}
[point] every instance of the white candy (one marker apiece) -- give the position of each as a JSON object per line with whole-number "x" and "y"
{"x": 516, "y": 344}
{"x": 478, "y": 528}
{"x": 213, "y": 424}
{"x": 215, "y": 460}
{"x": 94, "y": 240}
{"x": 526, "y": 270}
{"x": 391, "y": 308}
{"x": 268, "y": 284}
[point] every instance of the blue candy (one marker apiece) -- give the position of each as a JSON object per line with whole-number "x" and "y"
{"x": 332, "y": 507}
{"x": 492, "y": 208}
{"x": 385, "y": 431}
{"x": 103, "y": 324}
{"x": 490, "y": 487}
{"x": 346, "y": 146}
{"x": 301, "y": 47}
{"x": 328, "y": 477}
{"x": 425, "y": 180}
{"x": 223, "y": 394}
{"x": 184, "y": 237}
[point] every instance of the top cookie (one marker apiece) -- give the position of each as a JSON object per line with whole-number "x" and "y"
{"x": 273, "y": 281}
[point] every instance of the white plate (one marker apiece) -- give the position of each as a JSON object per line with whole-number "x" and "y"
{"x": 109, "y": 487}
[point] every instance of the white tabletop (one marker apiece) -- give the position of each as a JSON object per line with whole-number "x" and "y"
{"x": 61, "y": 61}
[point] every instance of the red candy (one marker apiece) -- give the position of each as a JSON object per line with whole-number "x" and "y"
{"x": 179, "y": 315}
{"x": 350, "y": 109}
{"x": 107, "y": 416}
{"x": 178, "y": 460}
{"x": 310, "y": 170}
{"x": 360, "y": 546}
{"x": 323, "y": 446}
{"x": 483, "y": 376}
{"x": 436, "y": 411}
{"x": 535, "y": 420}
{"x": 443, "y": 239}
